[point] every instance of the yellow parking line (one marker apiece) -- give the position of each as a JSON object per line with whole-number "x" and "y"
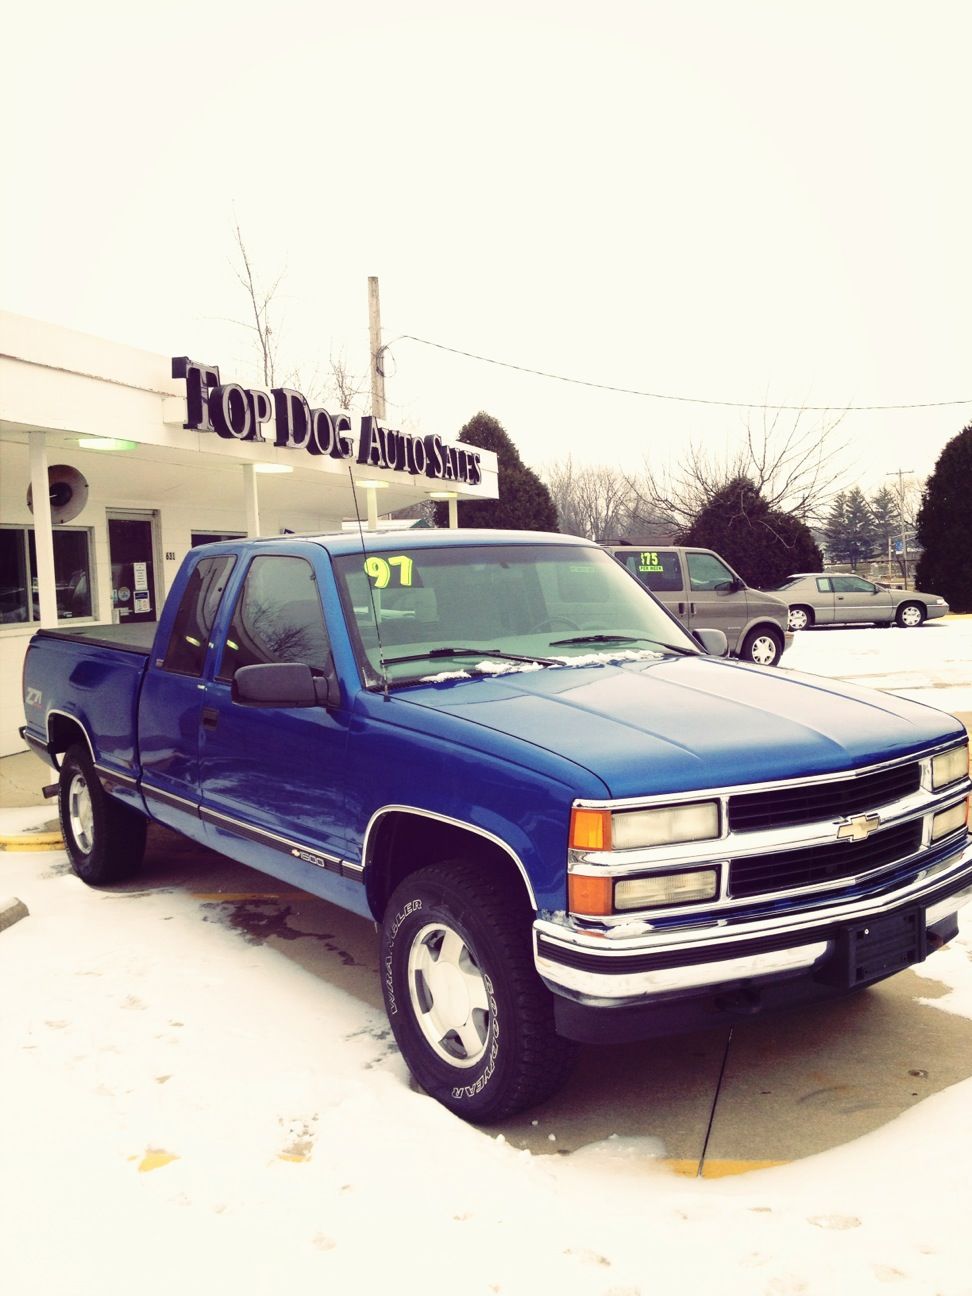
{"x": 154, "y": 1159}
{"x": 32, "y": 841}
{"x": 718, "y": 1169}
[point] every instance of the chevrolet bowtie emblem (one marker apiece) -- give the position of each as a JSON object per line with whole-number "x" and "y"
{"x": 858, "y": 828}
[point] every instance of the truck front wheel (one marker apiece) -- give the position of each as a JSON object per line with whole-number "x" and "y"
{"x": 105, "y": 839}
{"x": 469, "y": 1013}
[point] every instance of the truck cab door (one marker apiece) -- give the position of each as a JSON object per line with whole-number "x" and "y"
{"x": 172, "y": 697}
{"x": 272, "y": 778}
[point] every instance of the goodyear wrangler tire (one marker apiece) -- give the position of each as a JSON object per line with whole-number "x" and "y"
{"x": 469, "y": 1013}
{"x": 105, "y": 839}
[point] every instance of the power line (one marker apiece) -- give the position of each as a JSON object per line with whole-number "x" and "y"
{"x": 688, "y": 400}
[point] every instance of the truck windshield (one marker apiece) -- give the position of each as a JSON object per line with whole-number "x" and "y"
{"x": 548, "y": 604}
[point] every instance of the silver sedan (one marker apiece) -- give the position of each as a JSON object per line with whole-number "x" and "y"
{"x": 819, "y": 598}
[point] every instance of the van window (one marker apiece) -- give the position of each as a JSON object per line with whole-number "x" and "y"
{"x": 659, "y": 569}
{"x": 706, "y": 571}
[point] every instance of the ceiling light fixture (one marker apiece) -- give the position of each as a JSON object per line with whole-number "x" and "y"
{"x": 106, "y": 443}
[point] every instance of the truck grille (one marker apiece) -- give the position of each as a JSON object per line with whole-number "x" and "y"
{"x": 785, "y": 807}
{"x": 757, "y": 875}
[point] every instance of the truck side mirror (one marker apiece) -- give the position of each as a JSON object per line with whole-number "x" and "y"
{"x": 280, "y": 684}
{"x": 714, "y": 642}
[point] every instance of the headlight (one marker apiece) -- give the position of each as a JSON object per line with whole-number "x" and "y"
{"x": 604, "y": 830}
{"x": 947, "y": 821}
{"x": 661, "y": 826}
{"x": 591, "y": 896}
{"x": 666, "y": 889}
{"x": 950, "y": 766}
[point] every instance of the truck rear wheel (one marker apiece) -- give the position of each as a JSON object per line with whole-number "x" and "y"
{"x": 105, "y": 839}
{"x": 469, "y": 1013}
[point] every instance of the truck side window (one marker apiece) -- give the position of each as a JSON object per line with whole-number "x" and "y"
{"x": 278, "y": 618}
{"x": 706, "y": 572}
{"x": 185, "y": 652}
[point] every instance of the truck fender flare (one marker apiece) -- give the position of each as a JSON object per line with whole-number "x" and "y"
{"x": 419, "y": 812}
{"x": 78, "y": 723}
{"x": 110, "y": 778}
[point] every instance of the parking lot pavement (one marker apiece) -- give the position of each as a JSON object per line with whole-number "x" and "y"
{"x": 783, "y": 1087}
{"x": 778, "y": 1089}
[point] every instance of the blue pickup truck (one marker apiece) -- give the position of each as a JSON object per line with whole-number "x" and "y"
{"x": 570, "y": 819}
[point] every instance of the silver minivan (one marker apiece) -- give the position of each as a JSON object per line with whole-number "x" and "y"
{"x": 704, "y": 592}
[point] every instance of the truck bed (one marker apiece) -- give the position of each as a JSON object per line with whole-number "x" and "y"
{"x": 136, "y": 638}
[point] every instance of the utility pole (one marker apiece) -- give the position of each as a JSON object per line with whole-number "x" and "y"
{"x": 901, "y": 517}
{"x": 374, "y": 335}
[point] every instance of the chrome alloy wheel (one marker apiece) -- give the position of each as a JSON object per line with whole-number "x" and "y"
{"x": 911, "y": 616}
{"x": 81, "y": 814}
{"x": 798, "y": 619}
{"x": 448, "y": 995}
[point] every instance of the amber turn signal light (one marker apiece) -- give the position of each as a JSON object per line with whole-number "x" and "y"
{"x": 590, "y": 896}
{"x": 590, "y": 830}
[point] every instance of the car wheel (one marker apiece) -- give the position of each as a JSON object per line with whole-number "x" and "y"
{"x": 469, "y": 1013}
{"x": 105, "y": 839}
{"x": 910, "y": 615}
{"x": 763, "y": 647}
{"x": 800, "y": 618}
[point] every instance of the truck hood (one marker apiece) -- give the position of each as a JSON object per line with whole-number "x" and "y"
{"x": 677, "y": 724}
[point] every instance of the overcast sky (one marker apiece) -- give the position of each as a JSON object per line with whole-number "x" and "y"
{"x": 733, "y": 201}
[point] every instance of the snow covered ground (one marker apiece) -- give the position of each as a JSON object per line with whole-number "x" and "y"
{"x": 180, "y": 1110}
{"x": 932, "y": 664}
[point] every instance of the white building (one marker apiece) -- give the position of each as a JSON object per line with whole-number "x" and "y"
{"x": 122, "y": 488}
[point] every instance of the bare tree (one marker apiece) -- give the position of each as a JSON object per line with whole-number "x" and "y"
{"x": 594, "y": 500}
{"x": 794, "y": 466}
{"x": 260, "y": 300}
{"x": 341, "y": 387}
{"x": 345, "y": 384}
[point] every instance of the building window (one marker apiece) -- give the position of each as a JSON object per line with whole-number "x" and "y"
{"x": 213, "y": 537}
{"x": 19, "y": 598}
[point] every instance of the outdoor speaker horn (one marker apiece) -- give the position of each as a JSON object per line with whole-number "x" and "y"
{"x": 68, "y": 493}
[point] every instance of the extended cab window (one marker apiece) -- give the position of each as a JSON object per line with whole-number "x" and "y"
{"x": 186, "y": 649}
{"x": 278, "y": 618}
{"x": 659, "y": 569}
{"x": 707, "y": 572}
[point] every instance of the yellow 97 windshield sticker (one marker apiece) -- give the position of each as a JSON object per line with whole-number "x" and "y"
{"x": 383, "y": 570}
{"x": 649, "y": 562}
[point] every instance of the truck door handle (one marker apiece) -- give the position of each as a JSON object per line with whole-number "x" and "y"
{"x": 210, "y": 717}
{"x": 681, "y": 609}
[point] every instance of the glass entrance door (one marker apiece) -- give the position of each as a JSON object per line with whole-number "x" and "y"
{"x": 131, "y": 549}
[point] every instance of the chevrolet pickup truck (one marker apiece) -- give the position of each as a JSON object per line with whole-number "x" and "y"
{"x": 571, "y": 819}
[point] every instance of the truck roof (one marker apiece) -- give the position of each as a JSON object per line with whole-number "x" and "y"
{"x": 352, "y": 542}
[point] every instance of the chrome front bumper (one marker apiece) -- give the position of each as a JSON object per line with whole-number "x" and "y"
{"x": 634, "y": 966}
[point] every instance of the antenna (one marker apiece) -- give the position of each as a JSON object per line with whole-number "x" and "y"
{"x": 371, "y": 592}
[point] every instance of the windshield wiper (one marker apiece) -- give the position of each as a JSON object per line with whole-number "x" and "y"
{"x": 435, "y": 653}
{"x": 621, "y": 639}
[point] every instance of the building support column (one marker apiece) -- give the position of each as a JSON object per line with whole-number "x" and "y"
{"x": 371, "y": 495}
{"x": 251, "y": 501}
{"x": 43, "y": 528}
{"x": 453, "y": 512}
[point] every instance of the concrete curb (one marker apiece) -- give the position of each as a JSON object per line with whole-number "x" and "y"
{"x": 12, "y": 911}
